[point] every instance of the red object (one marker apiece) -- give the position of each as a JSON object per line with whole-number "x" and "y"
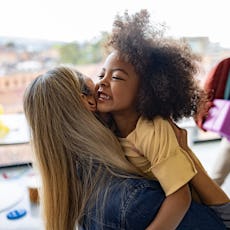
{"x": 215, "y": 86}
{"x": 216, "y": 79}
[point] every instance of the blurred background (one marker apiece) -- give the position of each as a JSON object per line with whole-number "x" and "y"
{"x": 36, "y": 35}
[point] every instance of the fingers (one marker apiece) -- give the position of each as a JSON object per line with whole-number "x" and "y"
{"x": 202, "y": 114}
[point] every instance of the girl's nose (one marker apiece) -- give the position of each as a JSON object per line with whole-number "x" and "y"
{"x": 103, "y": 81}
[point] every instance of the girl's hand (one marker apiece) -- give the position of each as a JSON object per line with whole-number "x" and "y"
{"x": 202, "y": 114}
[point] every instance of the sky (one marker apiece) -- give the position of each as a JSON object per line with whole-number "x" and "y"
{"x": 75, "y": 20}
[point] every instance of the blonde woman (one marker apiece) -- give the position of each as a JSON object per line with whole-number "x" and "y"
{"x": 76, "y": 154}
{"x": 87, "y": 183}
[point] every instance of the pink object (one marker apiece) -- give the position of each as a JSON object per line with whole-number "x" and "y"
{"x": 218, "y": 119}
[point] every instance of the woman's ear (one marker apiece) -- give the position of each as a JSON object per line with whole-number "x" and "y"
{"x": 83, "y": 96}
{"x": 89, "y": 102}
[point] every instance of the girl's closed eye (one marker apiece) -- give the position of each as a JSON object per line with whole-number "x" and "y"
{"x": 100, "y": 76}
{"x": 117, "y": 78}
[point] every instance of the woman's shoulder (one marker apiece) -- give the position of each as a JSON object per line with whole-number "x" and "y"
{"x": 133, "y": 184}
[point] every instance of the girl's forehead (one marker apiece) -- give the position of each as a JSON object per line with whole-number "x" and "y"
{"x": 114, "y": 59}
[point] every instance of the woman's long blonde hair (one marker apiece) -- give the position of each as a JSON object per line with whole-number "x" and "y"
{"x": 74, "y": 152}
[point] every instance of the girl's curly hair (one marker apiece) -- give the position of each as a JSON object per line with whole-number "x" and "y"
{"x": 166, "y": 67}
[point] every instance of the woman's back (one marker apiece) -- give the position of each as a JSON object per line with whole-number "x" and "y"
{"x": 132, "y": 204}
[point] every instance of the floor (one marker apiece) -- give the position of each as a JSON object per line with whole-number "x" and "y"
{"x": 207, "y": 152}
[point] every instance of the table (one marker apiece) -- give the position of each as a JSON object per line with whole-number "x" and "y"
{"x": 15, "y": 148}
{"x": 14, "y": 195}
{"x": 14, "y": 180}
{"x": 18, "y": 129}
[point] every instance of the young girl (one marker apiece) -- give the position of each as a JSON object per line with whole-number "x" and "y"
{"x": 147, "y": 80}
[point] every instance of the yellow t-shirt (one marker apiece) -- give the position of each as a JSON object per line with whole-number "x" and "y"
{"x": 153, "y": 148}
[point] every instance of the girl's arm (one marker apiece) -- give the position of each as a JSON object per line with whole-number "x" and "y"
{"x": 172, "y": 210}
{"x": 209, "y": 192}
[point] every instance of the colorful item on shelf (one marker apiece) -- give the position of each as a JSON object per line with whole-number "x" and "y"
{"x": 218, "y": 119}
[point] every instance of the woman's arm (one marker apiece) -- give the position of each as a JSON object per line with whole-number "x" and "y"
{"x": 172, "y": 210}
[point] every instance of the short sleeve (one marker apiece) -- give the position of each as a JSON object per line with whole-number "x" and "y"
{"x": 170, "y": 164}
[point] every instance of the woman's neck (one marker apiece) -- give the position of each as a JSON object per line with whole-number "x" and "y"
{"x": 125, "y": 124}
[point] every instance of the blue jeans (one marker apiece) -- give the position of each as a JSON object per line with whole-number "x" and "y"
{"x": 132, "y": 204}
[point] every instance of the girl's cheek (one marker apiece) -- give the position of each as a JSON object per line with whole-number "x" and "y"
{"x": 96, "y": 87}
